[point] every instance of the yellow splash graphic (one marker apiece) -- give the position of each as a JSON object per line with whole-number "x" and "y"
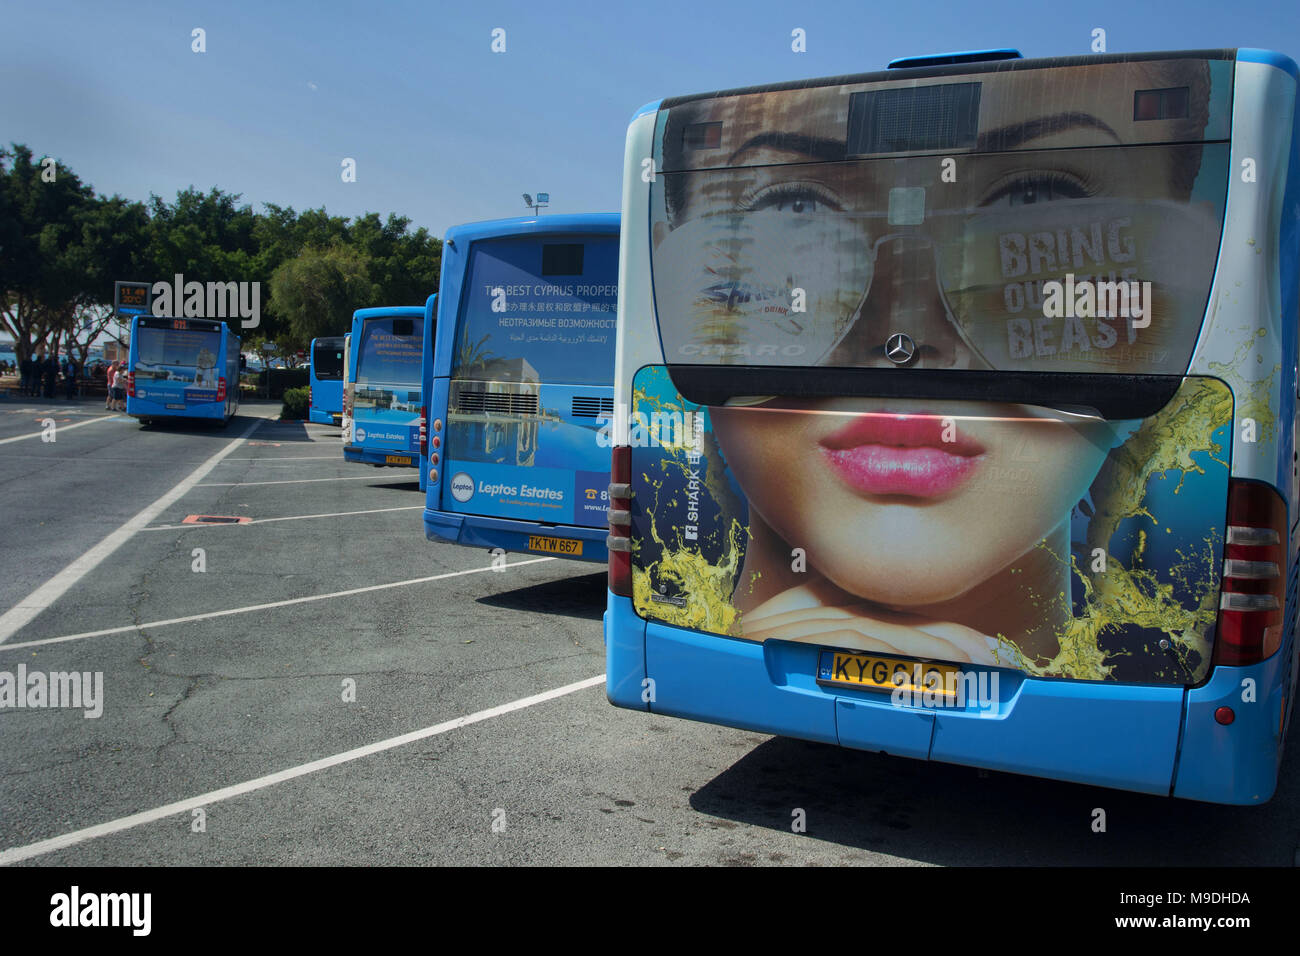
{"x": 1136, "y": 596}
{"x": 1253, "y": 394}
{"x": 682, "y": 567}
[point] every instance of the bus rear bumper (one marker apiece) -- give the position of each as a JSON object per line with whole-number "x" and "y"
{"x": 1237, "y": 762}
{"x": 322, "y": 417}
{"x": 477, "y": 531}
{"x": 155, "y": 412}
{"x": 362, "y": 455}
{"x": 1124, "y": 736}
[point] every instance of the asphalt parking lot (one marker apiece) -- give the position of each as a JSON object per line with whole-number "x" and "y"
{"x": 326, "y": 686}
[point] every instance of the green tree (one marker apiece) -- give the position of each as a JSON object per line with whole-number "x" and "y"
{"x": 109, "y": 247}
{"x": 42, "y": 209}
{"x": 316, "y": 292}
{"x": 404, "y": 266}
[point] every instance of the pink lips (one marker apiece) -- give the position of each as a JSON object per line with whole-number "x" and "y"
{"x": 889, "y": 454}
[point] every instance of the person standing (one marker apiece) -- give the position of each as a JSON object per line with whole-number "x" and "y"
{"x": 119, "y": 387}
{"x": 110, "y": 376}
{"x": 70, "y": 378}
{"x": 25, "y": 371}
{"x": 51, "y": 375}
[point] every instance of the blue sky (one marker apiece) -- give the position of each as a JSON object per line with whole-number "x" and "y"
{"x": 446, "y": 131}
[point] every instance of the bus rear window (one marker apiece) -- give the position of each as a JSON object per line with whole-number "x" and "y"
{"x": 180, "y": 350}
{"x": 1067, "y": 237}
{"x": 525, "y": 318}
{"x": 390, "y": 351}
{"x": 327, "y": 362}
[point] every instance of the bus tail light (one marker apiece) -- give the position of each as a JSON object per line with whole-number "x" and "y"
{"x": 311, "y": 398}
{"x": 1254, "y": 575}
{"x": 130, "y": 384}
{"x": 221, "y": 389}
{"x": 424, "y": 431}
{"x": 619, "y": 541}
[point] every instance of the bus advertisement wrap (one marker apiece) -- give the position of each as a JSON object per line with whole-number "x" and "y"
{"x": 1062, "y": 548}
{"x": 385, "y": 396}
{"x": 177, "y": 368}
{"x": 515, "y": 447}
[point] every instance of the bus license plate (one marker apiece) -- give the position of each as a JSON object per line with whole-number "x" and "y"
{"x": 397, "y": 459}
{"x": 554, "y": 545}
{"x": 872, "y": 672}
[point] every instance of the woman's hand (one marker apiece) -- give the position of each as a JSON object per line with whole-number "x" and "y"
{"x": 815, "y": 613}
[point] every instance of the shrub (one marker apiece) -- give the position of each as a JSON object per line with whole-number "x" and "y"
{"x": 295, "y": 403}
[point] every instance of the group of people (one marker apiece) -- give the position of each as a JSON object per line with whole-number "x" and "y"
{"x": 40, "y": 375}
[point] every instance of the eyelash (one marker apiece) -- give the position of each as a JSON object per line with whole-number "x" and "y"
{"x": 1053, "y": 178}
{"x": 789, "y": 192}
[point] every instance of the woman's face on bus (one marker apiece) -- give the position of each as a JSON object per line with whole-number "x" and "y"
{"x": 910, "y": 502}
{"x": 907, "y": 502}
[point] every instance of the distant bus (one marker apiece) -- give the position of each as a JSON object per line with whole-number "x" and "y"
{"x": 182, "y": 368}
{"x": 961, "y": 415}
{"x": 325, "y": 380}
{"x": 520, "y": 386}
{"x": 383, "y": 388}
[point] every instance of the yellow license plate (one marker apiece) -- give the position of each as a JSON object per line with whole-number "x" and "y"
{"x": 397, "y": 459}
{"x": 872, "y": 672}
{"x": 554, "y": 545}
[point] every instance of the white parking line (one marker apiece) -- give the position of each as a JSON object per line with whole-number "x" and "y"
{"x": 60, "y": 428}
{"x": 261, "y": 607}
{"x": 17, "y": 854}
{"x": 287, "y": 481}
{"x": 53, "y": 589}
{"x": 244, "y": 524}
{"x": 290, "y": 458}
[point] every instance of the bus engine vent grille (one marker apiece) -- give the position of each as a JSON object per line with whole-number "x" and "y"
{"x": 586, "y": 406}
{"x": 501, "y": 403}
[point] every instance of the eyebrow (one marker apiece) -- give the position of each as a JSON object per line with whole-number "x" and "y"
{"x": 813, "y": 146}
{"x": 1016, "y": 134}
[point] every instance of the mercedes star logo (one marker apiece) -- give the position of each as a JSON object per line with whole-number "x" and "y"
{"x": 900, "y": 348}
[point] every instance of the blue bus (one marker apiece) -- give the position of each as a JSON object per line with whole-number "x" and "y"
{"x": 520, "y": 386}
{"x": 961, "y": 415}
{"x": 383, "y": 386}
{"x": 182, "y": 368}
{"x": 325, "y": 381}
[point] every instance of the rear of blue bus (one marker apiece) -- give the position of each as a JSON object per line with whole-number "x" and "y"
{"x": 182, "y": 368}
{"x": 961, "y": 410}
{"x": 384, "y": 387}
{"x": 325, "y": 381}
{"x": 521, "y": 378}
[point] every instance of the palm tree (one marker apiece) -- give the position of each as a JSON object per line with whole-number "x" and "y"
{"x": 472, "y": 357}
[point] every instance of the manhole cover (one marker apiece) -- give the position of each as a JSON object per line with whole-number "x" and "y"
{"x": 216, "y": 519}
